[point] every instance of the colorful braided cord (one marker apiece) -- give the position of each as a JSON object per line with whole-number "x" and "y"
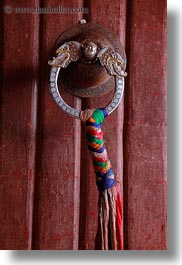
{"x": 95, "y": 142}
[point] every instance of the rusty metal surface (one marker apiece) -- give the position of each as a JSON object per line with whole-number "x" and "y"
{"x": 85, "y": 79}
{"x": 75, "y": 113}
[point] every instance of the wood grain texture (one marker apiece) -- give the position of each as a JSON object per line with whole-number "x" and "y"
{"x": 145, "y": 127}
{"x": 102, "y": 13}
{"x": 45, "y": 201}
{"x": 56, "y": 212}
{"x": 19, "y": 55}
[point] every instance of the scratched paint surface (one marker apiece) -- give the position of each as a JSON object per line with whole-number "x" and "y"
{"x": 56, "y": 219}
{"x": 48, "y": 195}
{"x": 145, "y": 177}
{"x": 18, "y": 124}
{"x": 100, "y": 12}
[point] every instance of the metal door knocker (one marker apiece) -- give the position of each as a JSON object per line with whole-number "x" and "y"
{"x": 87, "y": 57}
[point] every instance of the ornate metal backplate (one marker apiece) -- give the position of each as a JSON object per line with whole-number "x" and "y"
{"x": 86, "y": 77}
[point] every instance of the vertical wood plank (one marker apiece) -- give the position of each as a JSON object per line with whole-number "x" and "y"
{"x": 145, "y": 127}
{"x": 102, "y": 13}
{"x": 56, "y": 214}
{"x": 19, "y": 55}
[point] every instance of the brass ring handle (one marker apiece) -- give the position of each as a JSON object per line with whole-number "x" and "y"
{"x": 72, "y": 52}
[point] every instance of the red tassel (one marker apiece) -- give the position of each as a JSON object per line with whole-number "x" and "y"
{"x": 119, "y": 220}
{"x": 109, "y": 233}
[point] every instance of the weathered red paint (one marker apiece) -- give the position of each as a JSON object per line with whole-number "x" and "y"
{"x": 40, "y": 156}
{"x": 19, "y": 53}
{"x": 57, "y": 189}
{"x": 145, "y": 127}
{"x": 101, "y": 12}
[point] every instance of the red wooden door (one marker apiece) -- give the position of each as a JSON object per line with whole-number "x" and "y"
{"x": 48, "y": 196}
